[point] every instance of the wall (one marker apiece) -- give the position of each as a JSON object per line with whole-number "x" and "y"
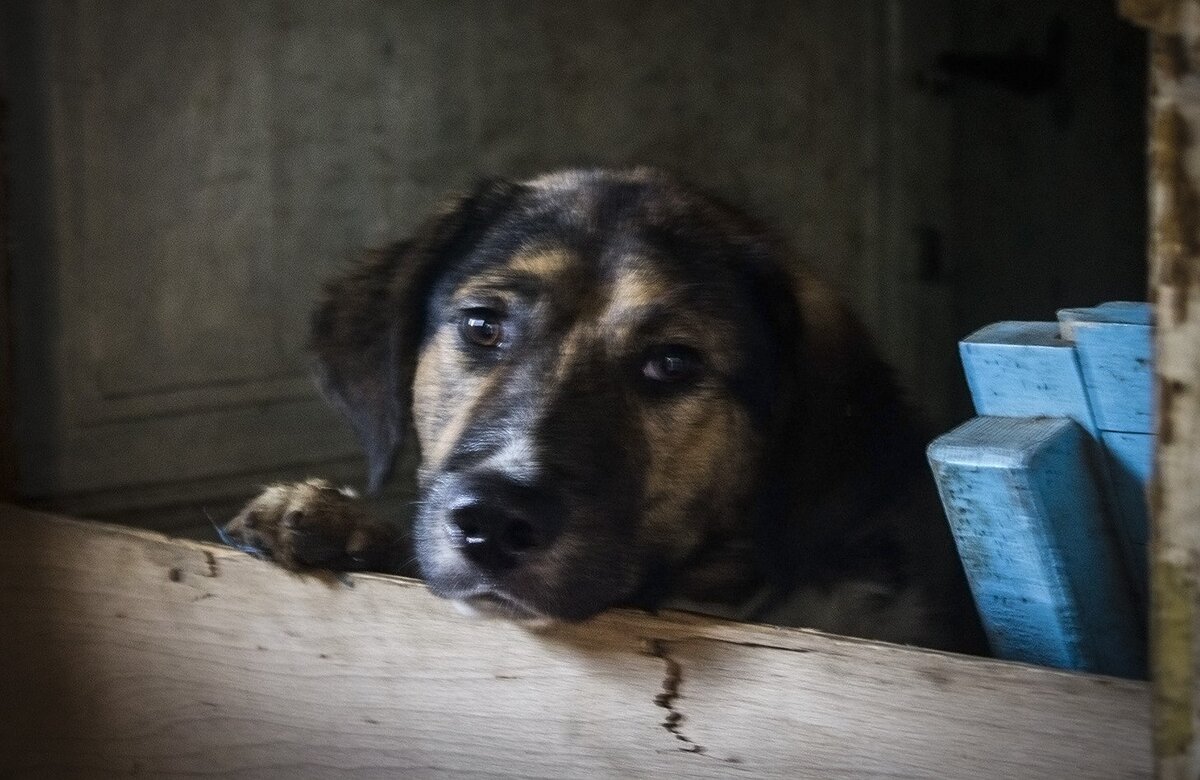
{"x": 1044, "y": 168}
{"x": 194, "y": 170}
{"x": 188, "y": 172}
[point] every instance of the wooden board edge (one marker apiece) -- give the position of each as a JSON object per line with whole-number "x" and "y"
{"x": 675, "y": 625}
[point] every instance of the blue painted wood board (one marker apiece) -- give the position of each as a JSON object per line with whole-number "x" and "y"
{"x": 1042, "y": 560}
{"x": 1025, "y": 369}
{"x": 1117, "y": 362}
{"x": 1127, "y": 312}
{"x": 1115, "y": 343}
{"x": 1130, "y": 459}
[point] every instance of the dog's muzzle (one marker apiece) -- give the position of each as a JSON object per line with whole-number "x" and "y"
{"x": 487, "y": 540}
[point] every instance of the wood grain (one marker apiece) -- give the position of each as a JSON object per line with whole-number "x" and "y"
{"x": 1024, "y": 369}
{"x": 1129, "y": 460}
{"x": 125, "y": 652}
{"x": 1037, "y": 544}
{"x": 1173, "y": 180}
{"x": 1092, "y": 366}
{"x": 1116, "y": 360}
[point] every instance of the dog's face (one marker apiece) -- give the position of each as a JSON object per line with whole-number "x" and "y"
{"x": 585, "y": 410}
{"x": 594, "y": 367}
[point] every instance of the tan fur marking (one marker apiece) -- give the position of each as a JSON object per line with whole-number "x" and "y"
{"x": 578, "y": 341}
{"x": 542, "y": 263}
{"x": 700, "y": 441}
{"x": 637, "y": 288}
{"x": 443, "y": 414}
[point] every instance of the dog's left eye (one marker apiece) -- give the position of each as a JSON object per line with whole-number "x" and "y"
{"x": 672, "y": 364}
{"x": 481, "y": 326}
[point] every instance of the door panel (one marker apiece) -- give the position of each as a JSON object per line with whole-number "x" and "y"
{"x": 194, "y": 170}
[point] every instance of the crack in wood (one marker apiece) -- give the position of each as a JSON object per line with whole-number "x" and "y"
{"x": 670, "y": 692}
{"x": 211, "y": 560}
{"x": 672, "y": 683}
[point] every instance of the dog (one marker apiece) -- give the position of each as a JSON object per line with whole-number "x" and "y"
{"x": 625, "y": 392}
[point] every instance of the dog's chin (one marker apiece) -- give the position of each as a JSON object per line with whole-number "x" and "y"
{"x": 494, "y": 600}
{"x": 493, "y": 606}
{"x": 529, "y": 597}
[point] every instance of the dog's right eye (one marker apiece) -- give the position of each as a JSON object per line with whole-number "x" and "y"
{"x": 481, "y": 327}
{"x": 672, "y": 365}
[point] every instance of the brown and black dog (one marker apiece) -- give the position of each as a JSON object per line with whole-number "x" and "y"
{"x": 624, "y": 392}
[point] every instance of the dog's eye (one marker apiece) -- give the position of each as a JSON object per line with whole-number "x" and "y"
{"x": 672, "y": 364}
{"x": 481, "y": 326}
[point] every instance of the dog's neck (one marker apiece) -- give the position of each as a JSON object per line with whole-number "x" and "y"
{"x": 822, "y": 518}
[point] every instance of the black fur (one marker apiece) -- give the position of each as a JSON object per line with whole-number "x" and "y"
{"x": 826, "y": 485}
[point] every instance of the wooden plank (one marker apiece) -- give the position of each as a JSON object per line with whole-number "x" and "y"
{"x": 1025, "y": 369}
{"x": 1115, "y": 345}
{"x": 127, "y": 652}
{"x": 1116, "y": 359}
{"x": 1031, "y": 529}
{"x": 1028, "y": 369}
{"x": 1173, "y": 179}
{"x": 1125, "y": 312}
{"x": 1130, "y": 457}
{"x": 1115, "y": 342}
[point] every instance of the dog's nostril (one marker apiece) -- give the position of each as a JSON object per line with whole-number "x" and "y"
{"x": 518, "y": 536}
{"x": 470, "y": 533}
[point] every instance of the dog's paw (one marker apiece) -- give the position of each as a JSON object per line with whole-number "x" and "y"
{"x": 309, "y": 525}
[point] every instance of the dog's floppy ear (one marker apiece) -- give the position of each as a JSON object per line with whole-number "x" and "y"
{"x": 839, "y": 395}
{"x": 367, "y": 330}
{"x": 841, "y": 439}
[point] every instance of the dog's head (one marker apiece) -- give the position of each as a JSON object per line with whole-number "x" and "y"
{"x": 599, "y": 368}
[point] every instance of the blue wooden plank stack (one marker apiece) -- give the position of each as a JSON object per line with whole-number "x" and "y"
{"x": 1045, "y": 490}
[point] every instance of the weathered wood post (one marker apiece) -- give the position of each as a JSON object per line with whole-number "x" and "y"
{"x": 1174, "y": 185}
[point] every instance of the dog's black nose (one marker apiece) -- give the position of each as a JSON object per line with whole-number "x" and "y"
{"x": 493, "y": 538}
{"x": 496, "y": 523}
